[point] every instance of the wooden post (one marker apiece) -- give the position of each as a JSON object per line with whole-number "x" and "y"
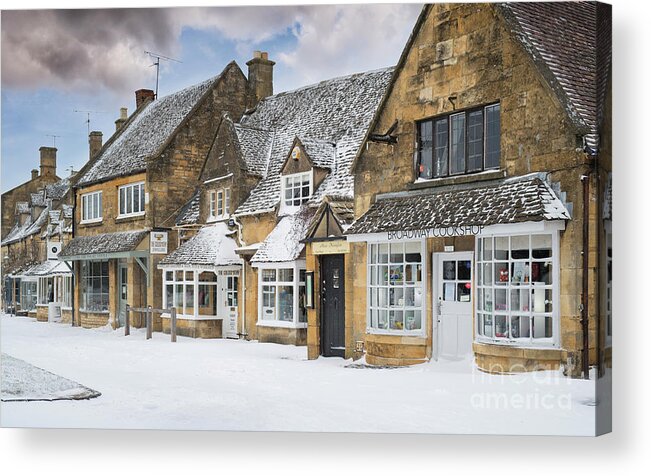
{"x": 127, "y": 326}
{"x": 173, "y": 324}
{"x": 148, "y": 315}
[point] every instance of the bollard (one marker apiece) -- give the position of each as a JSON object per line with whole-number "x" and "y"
{"x": 149, "y": 323}
{"x": 173, "y": 324}
{"x": 127, "y": 327}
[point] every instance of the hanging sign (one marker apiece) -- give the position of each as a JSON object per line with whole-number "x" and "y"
{"x": 53, "y": 248}
{"x": 158, "y": 242}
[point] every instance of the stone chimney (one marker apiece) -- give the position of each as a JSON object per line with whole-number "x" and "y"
{"x": 261, "y": 75}
{"x": 122, "y": 119}
{"x": 143, "y": 95}
{"x": 94, "y": 143}
{"x": 48, "y": 161}
{"x": 34, "y": 174}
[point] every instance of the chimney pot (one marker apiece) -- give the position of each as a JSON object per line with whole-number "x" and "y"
{"x": 34, "y": 173}
{"x": 94, "y": 143}
{"x": 123, "y": 113}
{"x": 119, "y": 122}
{"x": 143, "y": 95}
{"x": 48, "y": 161}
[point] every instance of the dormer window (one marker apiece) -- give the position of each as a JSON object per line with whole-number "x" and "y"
{"x": 296, "y": 189}
{"x": 459, "y": 143}
{"x": 220, "y": 204}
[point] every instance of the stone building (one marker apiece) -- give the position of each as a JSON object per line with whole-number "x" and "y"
{"x": 32, "y": 276}
{"x": 133, "y": 187}
{"x": 478, "y": 193}
{"x": 300, "y": 144}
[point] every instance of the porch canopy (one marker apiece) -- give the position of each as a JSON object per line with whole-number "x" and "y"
{"x": 284, "y": 243}
{"x": 460, "y": 210}
{"x": 213, "y": 246}
{"x": 48, "y": 268}
{"x": 123, "y": 244}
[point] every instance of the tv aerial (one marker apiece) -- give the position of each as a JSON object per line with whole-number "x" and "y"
{"x": 157, "y": 57}
{"x": 54, "y": 139}
{"x": 88, "y": 113}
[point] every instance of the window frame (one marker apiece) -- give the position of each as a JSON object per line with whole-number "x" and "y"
{"x": 422, "y": 332}
{"x": 466, "y": 113}
{"x": 298, "y": 268}
{"x": 219, "y": 204}
{"x": 84, "y": 277}
{"x": 141, "y": 199}
{"x": 284, "y": 188}
{"x": 87, "y": 205}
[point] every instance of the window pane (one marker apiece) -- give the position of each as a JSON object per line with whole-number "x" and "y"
{"x": 441, "y": 151}
{"x": 463, "y": 270}
{"x": 501, "y": 329}
{"x": 412, "y": 320}
{"x": 286, "y": 303}
{"x": 136, "y": 199}
{"x": 492, "y": 136}
{"x": 129, "y": 205}
{"x": 397, "y": 249}
{"x": 425, "y": 150}
{"x": 475, "y": 140}
{"x": 383, "y": 253}
{"x": 449, "y": 271}
{"x": 520, "y": 247}
{"x": 463, "y": 292}
{"x": 268, "y": 275}
{"x": 412, "y": 252}
{"x": 458, "y": 146}
{"x": 286, "y": 275}
{"x": 396, "y": 320}
{"x": 397, "y": 275}
{"x": 142, "y": 197}
{"x": 99, "y": 198}
{"x": 502, "y": 247}
{"x": 541, "y": 246}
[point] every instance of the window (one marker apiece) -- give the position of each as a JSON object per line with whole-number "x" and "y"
{"x": 66, "y": 297}
{"x": 213, "y": 204}
{"x": 297, "y": 189}
{"x": 132, "y": 199}
{"x": 396, "y": 287}
{"x": 282, "y": 296}
{"x": 220, "y": 202}
{"x": 515, "y": 294}
{"x": 214, "y": 291}
{"x": 45, "y": 290}
{"x": 95, "y": 286}
{"x": 28, "y": 295}
{"x": 91, "y": 207}
{"x": 459, "y": 143}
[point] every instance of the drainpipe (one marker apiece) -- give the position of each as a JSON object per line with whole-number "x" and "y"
{"x": 585, "y": 179}
{"x": 598, "y": 269}
{"x": 243, "y": 300}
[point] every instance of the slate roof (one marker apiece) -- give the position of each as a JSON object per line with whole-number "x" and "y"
{"x": 571, "y": 44}
{"x": 57, "y": 190}
{"x": 284, "y": 242}
{"x": 213, "y": 245}
{"x": 55, "y": 216}
{"x": 143, "y": 135}
{"x": 344, "y": 211}
{"x": 48, "y": 268}
{"x": 321, "y": 153}
{"x": 67, "y": 211}
{"x": 30, "y": 227}
{"x": 514, "y": 200}
{"x": 255, "y": 147}
{"x": 337, "y": 110}
{"x": 189, "y": 214}
{"x": 103, "y": 243}
{"x": 22, "y": 207}
{"x": 38, "y": 199}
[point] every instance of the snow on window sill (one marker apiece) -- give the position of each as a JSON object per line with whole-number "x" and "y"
{"x": 284, "y": 324}
{"x": 389, "y": 332}
{"x": 546, "y": 343}
{"x": 130, "y": 215}
{"x": 488, "y": 174}
{"x": 91, "y": 222}
{"x": 88, "y": 311}
{"x": 190, "y": 317}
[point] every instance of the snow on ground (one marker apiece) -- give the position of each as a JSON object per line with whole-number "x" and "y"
{"x": 22, "y": 381}
{"x": 239, "y": 385}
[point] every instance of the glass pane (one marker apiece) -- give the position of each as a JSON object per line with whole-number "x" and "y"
{"x": 397, "y": 275}
{"x": 463, "y": 270}
{"x": 458, "y": 145}
{"x": 412, "y": 252}
{"x": 396, "y": 320}
{"x": 488, "y": 274}
{"x": 383, "y": 321}
{"x": 268, "y": 275}
{"x": 129, "y": 207}
{"x": 475, "y": 140}
{"x": 382, "y": 297}
{"x": 373, "y": 278}
{"x": 441, "y": 151}
{"x": 208, "y": 277}
{"x": 541, "y": 246}
{"x": 286, "y": 275}
{"x": 449, "y": 291}
{"x": 541, "y": 272}
{"x": 500, "y": 300}
{"x": 492, "y": 136}
{"x": 123, "y": 201}
{"x": 500, "y": 326}
{"x": 142, "y": 198}
{"x": 520, "y": 300}
{"x": 501, "y": 247}
{"x": 409, "y": 297}
{"x": 520, "y": 272}
{"x": 372, "y": 259}
{"x": 383, "y": 275}
{"x": 425, "y": 149}
{"x": 384, "y": 253}
{"x": 286, "y": 303}
{"x": 449, "y": 271}
{"x": 520, "y": 247}
{"x": 169, "y": 275}
{"x": 501, "y": 273}
{"x": 487, "y": 249}
{"x": 397, "y": 249}
{"x": 488, "y": 325}
{"x": 412, "y": 320}
{"x": 542, "y": 327}
{"x": 463, "y": 292}
{"x": 396, "y": 297}
{"x": 136, "y": 199}
{"x": 189, "y": 299}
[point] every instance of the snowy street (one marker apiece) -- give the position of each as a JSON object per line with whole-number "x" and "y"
{"x": 237, "y": 385}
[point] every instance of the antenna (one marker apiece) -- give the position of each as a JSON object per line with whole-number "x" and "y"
{"x": 88, "y": 113}
{"x": 54, "y": 139}
{"x": 157, "y": 57}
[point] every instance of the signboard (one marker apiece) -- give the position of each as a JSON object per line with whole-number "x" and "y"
{"x": 158, "y": 242}
{"x": 53, "y": 248}
{"x": 330, "y": 247}
{"x": 435, "y": 232}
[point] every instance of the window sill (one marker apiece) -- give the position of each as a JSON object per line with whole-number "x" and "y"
{"x": 543, "y": 344}
{"x": 493, "y": 174}
{"x": 189, "y": 317}
{"x": 283, "y": 324}
{"x": 396, "y": 333}
{"x": 88, "y": 311}
{"x": 90, "y": 223}
{"x": 135, "y": 216}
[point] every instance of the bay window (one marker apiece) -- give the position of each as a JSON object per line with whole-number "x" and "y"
{"x": 95, "y": 286}
{"x": 516, "y": 300}
{"x": 458, "y": 143}
{"x": 396, "y": 287}
{"x": 45, "y": 290}
{"x": 131, "y": 199}
{"x": 200, "y": 294}
{"x": 91, "y": 207}
{"x": 28, "y": 296}
{"x": 282, "y": 295}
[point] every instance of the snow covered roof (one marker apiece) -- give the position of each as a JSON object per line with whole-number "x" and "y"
{"x": 337, "y": 111}
{"x": 55, "y": 216}
{"x": 189, "y": 214}
{"x": 213, "y": 245}
{"x": 57, "y": 190}
{"x": 144, "y": 134}
{"x": 571, "y": 43}
{"x": 284, "y": 241}
{"x": 30, "y": 227}
{"x": 514, "y": 200}
{"x": 38, "y": 199}
{"x": 22, "y": 207}
{"x": 321, "y": 153}
{"x": 255, "y": 146}
{"x": 67, "y": 211}
{"x": 48, "y": 268}
{"x": 102, "y": 244}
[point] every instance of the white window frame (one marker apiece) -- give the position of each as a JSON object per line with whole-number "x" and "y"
{"x": 66, "y": 302}
{"x": 422, "y": 332}
{"x": 212, "y": 205}
{"x": 83, "y": 283}
{"x": 547, "y": 228}
{"x": 283, "y": 187}
{"x": 219, "y": 204}
{"x": 227, "y": 201}
{"x": 131, "y": 188}
{"x": 297, "y": 266}
{"x": 88, "y": 212}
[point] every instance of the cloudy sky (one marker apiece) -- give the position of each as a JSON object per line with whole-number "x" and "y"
{"x": 57, "y": 61}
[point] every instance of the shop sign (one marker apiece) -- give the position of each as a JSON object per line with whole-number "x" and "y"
{"x": 330, "y": 247}
{"x": 158, "y": 242}
{"x": 435, "y": 232}
{"x": 53, "y": 248}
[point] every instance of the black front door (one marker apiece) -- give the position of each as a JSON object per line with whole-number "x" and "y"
{"x": 332, "y": 306}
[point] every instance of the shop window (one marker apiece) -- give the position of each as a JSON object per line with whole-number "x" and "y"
{"x": 28, "y": 294}
{"x": 396, "y": 287}
{"x": 131, "y": 199}
{"x": 45, "y": 290}
{"x": 95, "y": 286}
{"x": 91, "y": 207}
{"x": 282, "y": 295}
{"x": 515, "y": 288}
{"x": 459, "y": 143}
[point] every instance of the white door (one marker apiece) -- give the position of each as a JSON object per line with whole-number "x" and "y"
{"x": 228, "y": 305}
{"x": 453, "y": 304}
